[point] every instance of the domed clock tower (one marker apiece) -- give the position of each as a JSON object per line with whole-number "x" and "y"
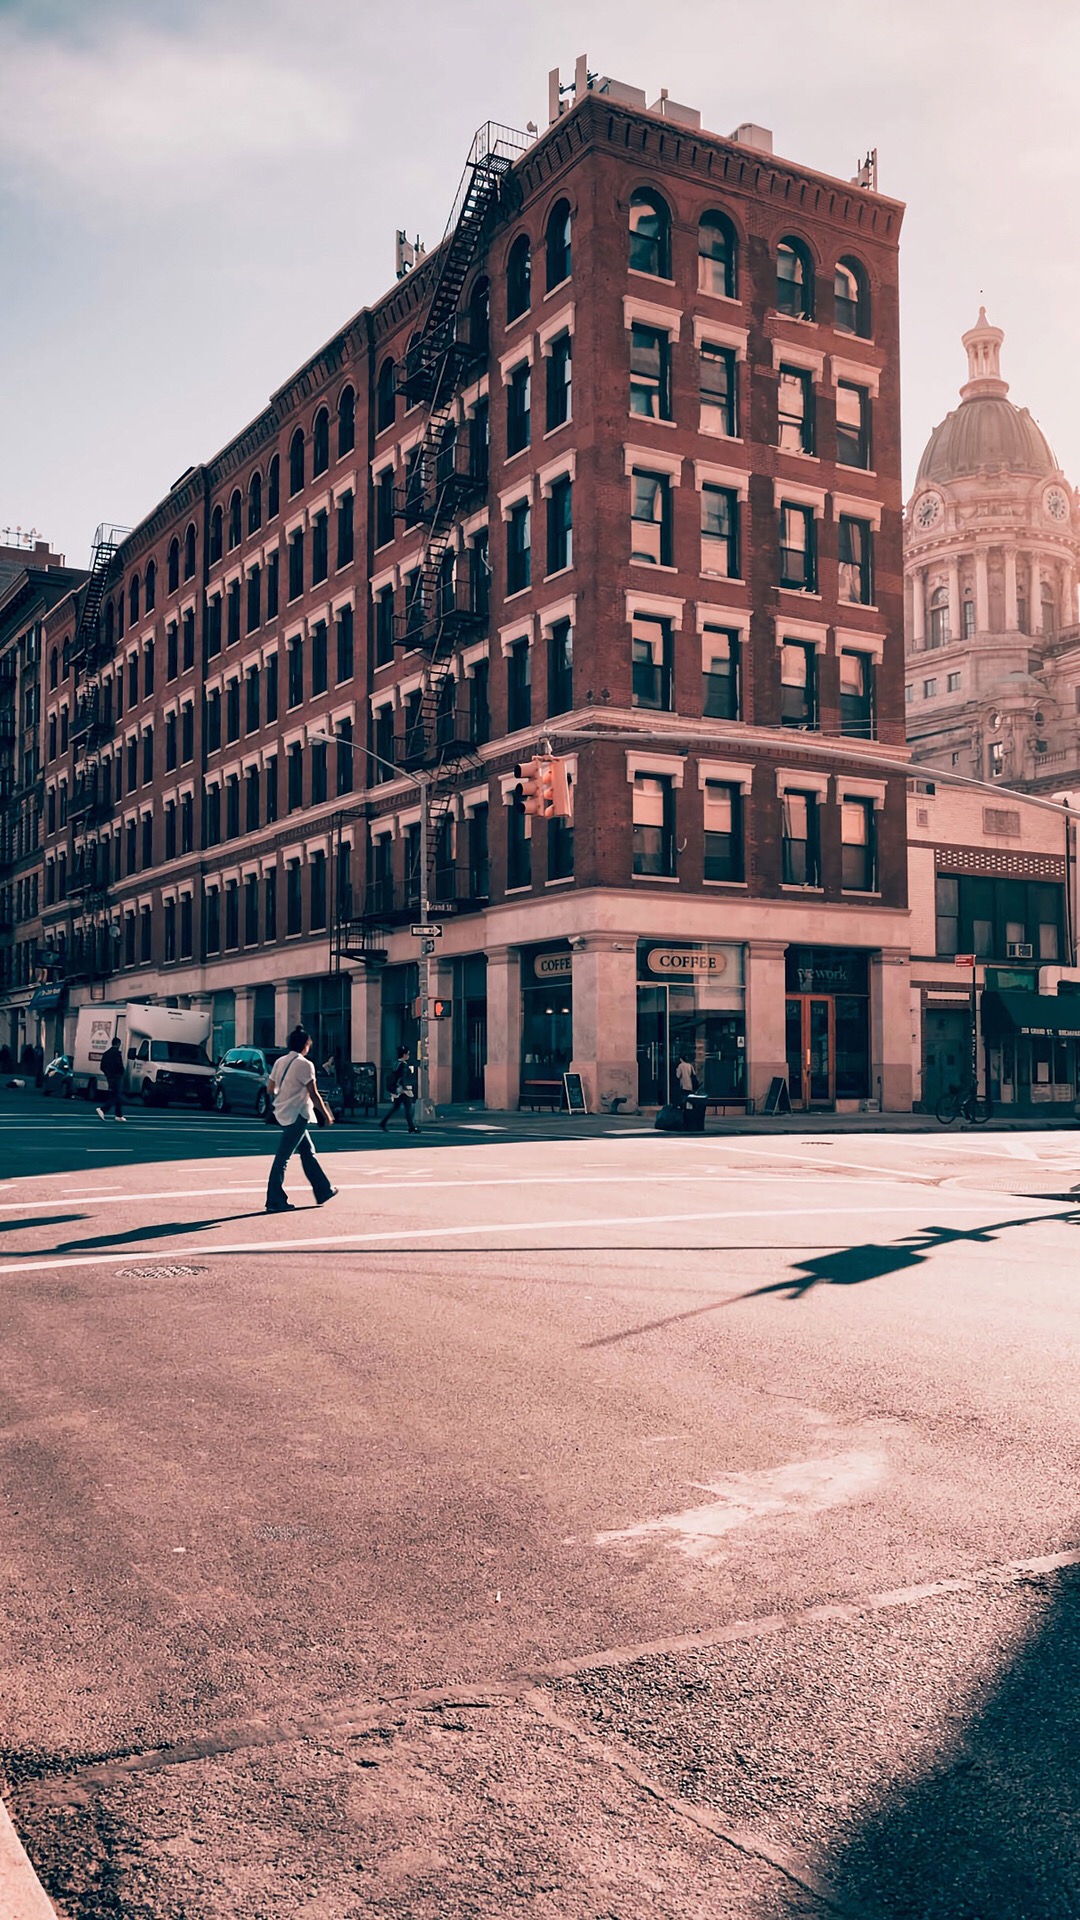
{"x": 991, "y": 553}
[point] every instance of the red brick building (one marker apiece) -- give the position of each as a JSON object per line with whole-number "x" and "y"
{"x": 621, "y": 457}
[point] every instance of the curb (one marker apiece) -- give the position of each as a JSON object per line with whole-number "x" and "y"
{"x": 22, "y": 1896}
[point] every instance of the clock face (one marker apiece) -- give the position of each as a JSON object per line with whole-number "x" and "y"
{"x": 928, "y": 512}
{"x": 1056, "y": 502}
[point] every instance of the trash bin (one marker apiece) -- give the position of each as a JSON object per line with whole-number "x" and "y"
{"x": 694, "y": 1113}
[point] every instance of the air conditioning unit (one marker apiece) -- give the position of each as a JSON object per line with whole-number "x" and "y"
{"x": 1019, "y": 949}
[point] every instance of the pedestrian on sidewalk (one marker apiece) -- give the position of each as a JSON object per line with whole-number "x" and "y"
{"x": 297, "y": 1100}
{"x": 112, "y": 1066}
{"x": 686, "y": 1079}
{"x": 401, "y": 1087}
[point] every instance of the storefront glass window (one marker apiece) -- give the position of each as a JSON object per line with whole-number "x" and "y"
{"x": 691, "y": 1005}
{"x": 547, "y": 1035}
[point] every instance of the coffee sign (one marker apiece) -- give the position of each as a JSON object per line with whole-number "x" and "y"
{"x": 552, "y": 966}
{"x": 680, "y": 963}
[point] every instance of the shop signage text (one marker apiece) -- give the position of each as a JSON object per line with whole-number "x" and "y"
{"x": 552, "y": 966}
{"x": 666, "y": 961}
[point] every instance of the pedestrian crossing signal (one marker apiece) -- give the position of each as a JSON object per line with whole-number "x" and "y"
{"x": 440, "y": 1009}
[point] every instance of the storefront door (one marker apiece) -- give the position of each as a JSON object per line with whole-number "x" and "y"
{"x": 811, "y": 1050}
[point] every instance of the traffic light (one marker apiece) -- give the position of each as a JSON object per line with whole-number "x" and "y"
{"x": 556, "y": 790}
{"x": 525, "y": 797}
{"x": 440, "y": 1009}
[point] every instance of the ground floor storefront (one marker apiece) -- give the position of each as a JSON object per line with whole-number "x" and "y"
{"x": 1022, "y": 1041}
{"x": 749, "y": 994}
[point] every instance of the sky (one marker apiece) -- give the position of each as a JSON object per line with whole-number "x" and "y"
{"x": 195, "y": 195}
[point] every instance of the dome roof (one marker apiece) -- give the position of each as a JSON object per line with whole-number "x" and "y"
{"x": 986, "y": 430}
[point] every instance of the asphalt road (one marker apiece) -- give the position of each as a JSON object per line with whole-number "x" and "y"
{"x": 592, "y": 1525}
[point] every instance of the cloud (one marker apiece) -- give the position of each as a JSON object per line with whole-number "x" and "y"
{"x": 146, "y": 115}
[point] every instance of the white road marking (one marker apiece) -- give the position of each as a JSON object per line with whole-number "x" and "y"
{"x": 805, "y": 1487}
{"x": 854, "y": 1166}
{"x": 355, "y": 1241}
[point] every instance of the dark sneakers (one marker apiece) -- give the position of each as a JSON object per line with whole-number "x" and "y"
{"x": 332, "y": 1195}
{"x": 282, "y": 1206}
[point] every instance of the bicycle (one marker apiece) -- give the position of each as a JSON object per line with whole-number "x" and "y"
{"x": 970, "y": 1106}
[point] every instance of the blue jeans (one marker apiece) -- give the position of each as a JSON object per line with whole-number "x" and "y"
{"x": 296, "y": 1138}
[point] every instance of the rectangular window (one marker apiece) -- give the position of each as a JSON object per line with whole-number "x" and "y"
{"x": 723, "y": 831}
{"x": 519, "y": 686}
{"x": 650, "y": 518}
{"x": 187, "y": 823}
{"x": 345, "y": 650}
{"x": 270, "y": 903}
{"x": 189, "y": 642}
{"x": 720, "y": 532}
{"x": 384, "y": 626}
{"x": 857, "y": 693}
{"x": 170, "y": 930}
{"x": 148, "y": 756}
{"x": 518, "y": 850}
{"x": 212, "y": 722}
{"x": 320, "y": 548}
{"x": 719, "y": 391}
{"x": 558, "y": 382}
{"x": 800, "y": 865}
{"x": 187, "y": 936}
{"x": 345, "y": 540}
{"x": 798, "y": 556}
{"x": 294, "y": 899}
{"x": 170, "y": 830}
{"x": 317, "y": 891}
{"x": 211, "y": 816}
{"x": 131, "y": 847}
{"x": 650, "y": 372}
{"x": 271, "y": 688}
{"x": 133, "y": 684}
{"x": 232, "y": 914}
{"x": 968, "y": 620}
{"x": 232, "y": 807}
{"x": 856, "y": 561}
{"x": 654, "y": 824}
{"x": 479, "y": 704}
{"x": 384, "y": 507}
{"x": 272, "y": 586}
{"x": 251, "y": 910}
{"x": 798, "y": 684}
{"x": 518, "y": 406}
{"x": 129, "y": 938}
{"x": 852, "y": 425}
{"x": 270, "y": 783}
{"x": 232, "y": 710}
{"x": 251, "y": 715}
{"x": 148, "y": 669}
{"x": 233, "y": 613}
{"x": 172, "y": 651}
{"x": 795, "y": 411}
{"x": 720, "y": 668}
{"x": 652, "y": 662}
{"x": 213, "y": 626}
{"x": 251, "y": 799}
{"x": 296, "y": 564}
{"x": 146, "y": 934}
{"x": 560, "y": 535}
{"x": 295, "y": 763}
{"x": 147, "y": 859}
{"x": 254, "y": 599}
{"x": 345, "y": 757}
{"x": 857, "y": 869}
{"x": 296, "y": 671}
{"x": 519, "y": 548}
{"x": 319, "y": 662}
{"x": 479, "y": 871}
{"x": 953, "y": 682}
{"x": 170, "y": 742}
{"x": 561, "y": 668}
{"x": 383, "y": 745}
{"x": 318, "y": 772}
{"x": 132, "y": 765}
{"x": 929, "y": 689}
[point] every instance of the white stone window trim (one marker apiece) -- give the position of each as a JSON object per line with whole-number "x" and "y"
{"x": 564, "y": 609}
{"x": 268, "y": 863}
{"x": 383, "y": 827}
{"x": 296, "y": 524}
{"x": 711, "y": 613}
{"x": 523, "y": 629}
{"x": 293, "y": 853}
{"x": 319, "y": 846}
{"x": 655, "y": 606}
{"x": 344, "y": 484}
{"x": 708, "y": 474}
{"x": 385, "y": 697}
{"x": 187, "y": 792}
{"x": 792, "y": 353}
{"x": 563, "y": 467}
{"x": 520, "y": 356}
{"x": 814, "y": 631}
{"x": 728, "y": 773}
{"x": 652, "y": 460}
{"x": 410, "y": 561}
{"x": 252, "y": 763}
{"x": 649, "y": 313}
{"x": 347, "y": 712}
{"x": 853, "y": 505}
{"x": 345, "y": 599}
{"x": 411, "y": 683}
{"x": 857, "y": 372}
{"x": 187, "y": 605}
{"x": 405, "y": 445}
{"x": 849, "y": 789}
{"x": 717, "y": 333}
{"x": 471, "y": 656}
{"x": 407, "y": 817}
{"x": 472, "y": 798}
{"x": 476, "y": 523}
{"x": 268, "y": 653}
{"x": 669, "y": 765}
{"x": 296, "y": 737}
{"x": 507, "y": 783}
{"x": 511, "y": 497}
{"x": 469, "y": 399}
{"x": 850, "y": 641}
{"x": 795, "y": 493}
{"x": 266, "y": 553}
{"x": 168, "y": 896}
{"x": 230, "y": 876}
{"x": 556, "y": 324}
{"x": 386, "y": 577}
{"x": 804, "y": 781}
{"x": 383, "y": 463}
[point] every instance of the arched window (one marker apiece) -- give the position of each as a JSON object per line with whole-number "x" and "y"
{"x": 189, "y": 553}
{"x": 480, "y": 319}
{"x": 133, "y": 598}
{"x": 217, "y": 535}
{"x": 150, "y": 596}
{"x": 110, "y": 624}
{"x": 794, "y": 279}
{"x": 939, "y": 617}
{"x": 174, "y": 565}
{"x": 54, "y": 669}
{"x": 385, "y": 397}
{"x": 273, "y": 487}
{"x": 120, "y": 614}
{"x": 346, "y": 421}
{"x": 852, "y": 298}
{"x": 67, "y": 657}
{"x": 717, "y": 255}
{"x": 320, "y": 442}
{"x": 236, "y": 508}
{"x": 558, "y": 244}
{"x": 518, "y": 278}
{"x": 296, "y": 461}
{"x": 255, "y": 502}
{"x": 650, "y": 234}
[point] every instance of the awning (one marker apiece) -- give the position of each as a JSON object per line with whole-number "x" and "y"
{"x": 1044, "y": 1015}
{"x": 44, "y": 999}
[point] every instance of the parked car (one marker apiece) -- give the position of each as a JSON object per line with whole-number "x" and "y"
{"x": 58, "y": 1078}
{"x": 241, "y": 1077}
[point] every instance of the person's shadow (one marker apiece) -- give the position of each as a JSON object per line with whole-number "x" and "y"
{"x": 168, "y": 1228}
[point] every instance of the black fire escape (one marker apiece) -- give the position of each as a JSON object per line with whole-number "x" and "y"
{"x": 448, "y": 473}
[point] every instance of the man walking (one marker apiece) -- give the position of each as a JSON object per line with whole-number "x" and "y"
{"x": 401, "y": 1087}
{"x": 296, "y": 1101}
{"x": 686, "y": 1079}
{"x": 112, "y": 1066}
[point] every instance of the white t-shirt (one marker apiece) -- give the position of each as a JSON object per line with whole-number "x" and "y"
{"x": 292, "y": 1079}
{"x": 684, "y": 1074}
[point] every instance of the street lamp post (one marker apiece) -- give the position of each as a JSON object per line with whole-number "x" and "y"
{"x": 422, "y": 782}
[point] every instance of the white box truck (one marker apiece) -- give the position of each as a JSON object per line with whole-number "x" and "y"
{"x": 165, "y": 1051}
{"x": 94, "y": 1032}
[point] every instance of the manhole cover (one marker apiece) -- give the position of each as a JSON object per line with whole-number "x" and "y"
{"x": 165, "y": 1271}
{"x": 1039, "y": 1186}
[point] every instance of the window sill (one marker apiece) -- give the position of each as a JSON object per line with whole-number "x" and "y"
{"x": 650, "y": 419}
{"x": 717, "y": 433}
{"x": 867, "y": 893}
{"x": 729, "y": 299}
{"x": 558, "y": 287}
{"x": 799, "y": 453}
{"x": 507, "y": 597}
{"x": 386, "y": 543}
{"x": 657, "y": 879}
{"x": 744, "y": 884}
{"x": 795, "y": 886}
{"x": 568, "y": 422}
{"x": 804, "y": 593}
{"x": 654, "y": 566}
{"x": 516, "y": 455}
{"x": 796, "y": 319}
{"x": 527, "y": 888}
{"x": 564, "y": 880}
{"x": 710, "y": 573}
{"x": 558, "y": 573}
{"x": 864, "y": 606}
{"x": 654, "y": 279}
{"x": 869, "y": 472}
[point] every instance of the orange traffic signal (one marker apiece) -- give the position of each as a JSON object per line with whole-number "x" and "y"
{"x": 556, "y": 790}
{"x": 526, "y": 795}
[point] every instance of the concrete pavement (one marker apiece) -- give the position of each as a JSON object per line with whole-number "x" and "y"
{"x": 620, "y": 1525}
